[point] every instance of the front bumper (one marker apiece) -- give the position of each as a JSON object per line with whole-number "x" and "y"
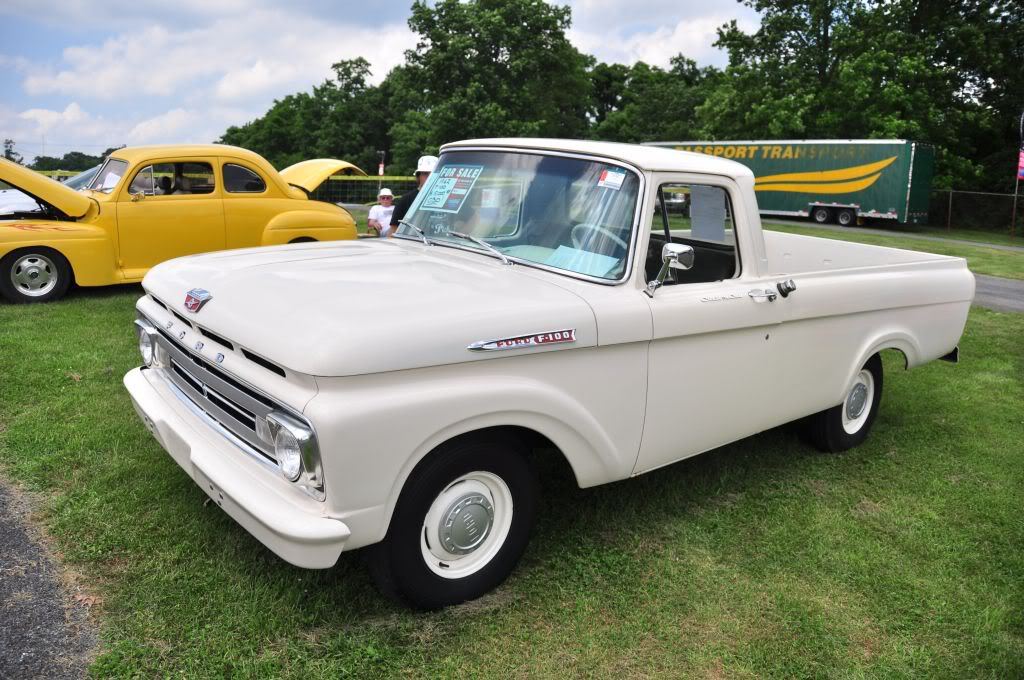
{"x": 282, "y": 518}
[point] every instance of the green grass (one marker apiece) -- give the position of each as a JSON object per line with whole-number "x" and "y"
{"x": 900, "y": 559}
{"x": 1003, "y": 238}
{"x": 981, "y": 260}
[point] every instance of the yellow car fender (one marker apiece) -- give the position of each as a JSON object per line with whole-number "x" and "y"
{"x": 309, "y": 225}
{"x": 88, "y": 249}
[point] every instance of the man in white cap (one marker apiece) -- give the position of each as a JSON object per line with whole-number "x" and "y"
{"x": 424, "y": 167}
{"x": 379, "y": 220}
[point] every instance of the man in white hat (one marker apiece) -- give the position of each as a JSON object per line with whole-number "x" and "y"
{"x": 379, "y": 220}
{"x": 424, "y": 167}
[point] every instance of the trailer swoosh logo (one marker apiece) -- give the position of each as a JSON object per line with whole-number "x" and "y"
{"x": 841, "y": 181}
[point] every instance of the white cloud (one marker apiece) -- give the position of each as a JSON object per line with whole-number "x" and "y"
{"x": 184, "y": 72}
{"x": 656, "y": 30}
{"x": 260, "y": 54}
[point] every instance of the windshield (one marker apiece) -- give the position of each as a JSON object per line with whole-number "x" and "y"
{"x": 80, "y": 180}
{"x": 569, "y": 214}
{"x": 109, "y": 175}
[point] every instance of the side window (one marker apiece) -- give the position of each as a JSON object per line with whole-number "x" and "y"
{"x": 143, "y": 182}
{"x": 239, "y": 180}
{"x": 174, "y": 179}
{"x": 700, "y": 216}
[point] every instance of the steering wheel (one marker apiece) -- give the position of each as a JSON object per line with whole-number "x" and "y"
{"x": 578, "y": 239}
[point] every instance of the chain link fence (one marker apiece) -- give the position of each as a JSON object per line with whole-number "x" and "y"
{"x": 976, "y": 211}
{"x": 363, "y": 190}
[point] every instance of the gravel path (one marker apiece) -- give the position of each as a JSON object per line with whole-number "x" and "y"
{"x": 1002, "y": 295}
{"x": 42, "y": 633}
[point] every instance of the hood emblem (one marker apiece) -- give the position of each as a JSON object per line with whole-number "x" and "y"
{"x": 530, "y": 340}
{"x": 196, "y": 298}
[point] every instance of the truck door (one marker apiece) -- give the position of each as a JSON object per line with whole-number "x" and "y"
{"x": 712, "y": 374}
{"x": 168, "y": 209}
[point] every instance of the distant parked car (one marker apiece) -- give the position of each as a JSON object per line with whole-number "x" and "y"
{"x": 145, "y": 205}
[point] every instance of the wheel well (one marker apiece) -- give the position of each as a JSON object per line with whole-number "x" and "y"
{"x": 303, "y": 239}
{"x": 43, "y": 250}
{"x": 897, "y": 350}
{"x": 545, "y": 454}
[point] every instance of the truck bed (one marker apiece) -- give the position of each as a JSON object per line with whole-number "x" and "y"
{"x": 790, "y": 254}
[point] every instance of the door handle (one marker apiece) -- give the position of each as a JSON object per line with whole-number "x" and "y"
{"x": 765, "y": 295}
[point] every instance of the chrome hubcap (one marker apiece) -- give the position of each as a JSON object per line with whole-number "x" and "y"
{"x": 34, "y": 275}
{"x": 466, "y": 524}
{"x": 857, "y": 406}
{"x": 857, "y": 401}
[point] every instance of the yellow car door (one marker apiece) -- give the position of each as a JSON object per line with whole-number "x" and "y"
{"x": 169, "y": 208}
{"x": 250, "y": 201}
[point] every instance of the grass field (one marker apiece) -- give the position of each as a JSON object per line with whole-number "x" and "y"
{"x": 900, "y": 559}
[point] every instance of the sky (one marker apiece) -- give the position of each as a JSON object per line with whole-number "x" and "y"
{"x": 85, "y": 76}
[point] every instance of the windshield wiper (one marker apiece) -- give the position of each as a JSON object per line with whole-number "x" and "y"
{"x": 482, "y": 243}
{"x": 423, "y": 236}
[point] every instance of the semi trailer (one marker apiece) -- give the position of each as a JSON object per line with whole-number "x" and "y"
{"x": 832, "y": 180}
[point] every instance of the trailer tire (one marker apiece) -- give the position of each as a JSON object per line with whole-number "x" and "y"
{"x": 821, "y": 215}
{"x": 846, "y": 218}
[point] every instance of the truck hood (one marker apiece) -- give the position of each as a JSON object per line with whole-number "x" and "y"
{"x": 351, "y": 308}
{"x": 310, "y": 174}
{"x": 68, "y": 201}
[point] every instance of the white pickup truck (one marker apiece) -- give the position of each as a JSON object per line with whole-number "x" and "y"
{"x": 386, "y": 393}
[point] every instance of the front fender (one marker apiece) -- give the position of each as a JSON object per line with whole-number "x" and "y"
{"x": 88, "y": 248}
{"x": 374, "y": 431}
{"x": 336, "y": 225}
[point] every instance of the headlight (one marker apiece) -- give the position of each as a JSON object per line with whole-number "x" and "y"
{"x": 296, "y": 451}
{"x": 147, "y": 346}
{"x": 289, "y": 457}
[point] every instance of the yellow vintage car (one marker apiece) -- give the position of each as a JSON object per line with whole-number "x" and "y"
{"x": 153, "y": 203}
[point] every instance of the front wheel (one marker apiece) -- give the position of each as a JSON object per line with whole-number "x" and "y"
{"x": 821, "y": 215}
{"x": 847, "y": 425}
{"x": 34, "y": 275}
{"x": 460, "y": 526}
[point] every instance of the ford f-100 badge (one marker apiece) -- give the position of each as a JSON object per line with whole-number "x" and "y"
{"x": 532, "y": 340}
{"x": 196, "y": 298}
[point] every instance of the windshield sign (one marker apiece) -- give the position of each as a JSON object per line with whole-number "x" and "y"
{"x": 570, "y": 214}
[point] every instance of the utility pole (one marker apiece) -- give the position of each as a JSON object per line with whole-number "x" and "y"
{"x": 1020, "y": 171}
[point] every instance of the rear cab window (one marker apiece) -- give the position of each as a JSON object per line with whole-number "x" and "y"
{"x": 241, "y": 180}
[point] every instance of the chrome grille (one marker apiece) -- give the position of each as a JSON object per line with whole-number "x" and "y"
{"x": 233, "y": 405}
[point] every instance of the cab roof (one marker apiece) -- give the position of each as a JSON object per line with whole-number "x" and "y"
{"x": 644, "y": 157}
{"x": 136, "y": 153}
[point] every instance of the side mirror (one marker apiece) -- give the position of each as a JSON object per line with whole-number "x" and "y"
{"x": 673, "y": 256}
{"x": 138, "y": 196}
{"x": 677, "y": 256}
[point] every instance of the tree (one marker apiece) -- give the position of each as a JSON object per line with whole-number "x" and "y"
{"x": 921, "y": 69}
{"x": 650, "y": 103}
{"x": 9, "y": 152}
{"x": 496, "y": 68}
{"x": 73, "y": 160}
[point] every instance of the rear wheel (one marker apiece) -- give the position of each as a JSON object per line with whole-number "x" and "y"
{"x": 460, "y": 526}
{"x": 821, "y": 215}
{"x": 846, "y": 218}
{"x": 847, "y": 425}
{"x": 34, "y": 275}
